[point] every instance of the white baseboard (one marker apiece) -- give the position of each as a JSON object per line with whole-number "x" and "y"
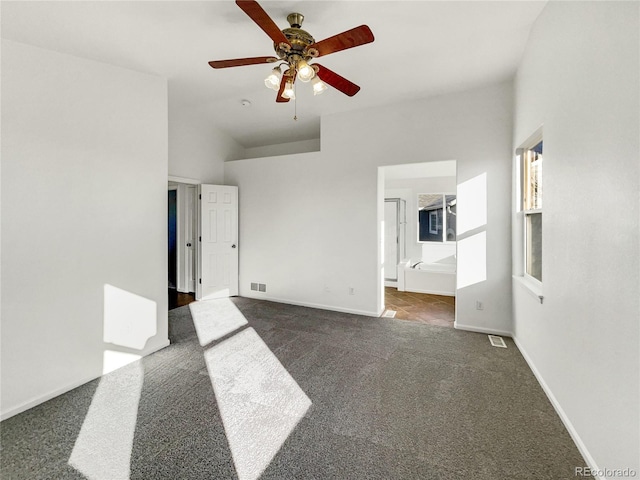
{"x": 560, "y": 411}
{"x": 67, "y": 388}
{"x": 314, "y": 305}
{"x": 488, "y": 331}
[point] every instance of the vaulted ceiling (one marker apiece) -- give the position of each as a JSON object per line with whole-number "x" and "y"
{"x": 421, "y": 48}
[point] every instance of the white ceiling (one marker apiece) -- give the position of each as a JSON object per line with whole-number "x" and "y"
{"x": 421, "y": 48}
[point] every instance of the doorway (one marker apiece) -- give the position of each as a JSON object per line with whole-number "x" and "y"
{"x": 181, "y": 243}
{"x": 206, "y": 242}
{"x": 173, "y": 232}
{"x": 419, "y": 214}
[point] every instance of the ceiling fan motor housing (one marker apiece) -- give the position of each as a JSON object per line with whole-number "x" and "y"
{"x": 299, "y": 39}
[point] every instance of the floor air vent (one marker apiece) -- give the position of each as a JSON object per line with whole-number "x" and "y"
{"x": 497, "y": 341}
{"x": 389, "y": 314}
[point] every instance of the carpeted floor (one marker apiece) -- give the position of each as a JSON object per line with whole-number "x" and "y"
{"x": 295, "y": 392}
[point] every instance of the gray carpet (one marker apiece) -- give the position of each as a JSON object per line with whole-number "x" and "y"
{"x": 299, "y": 393}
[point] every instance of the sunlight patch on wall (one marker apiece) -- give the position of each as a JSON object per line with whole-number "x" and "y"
{"x": 214, "y": 319}
{"x": 260, "y": 403}
{"x": 103, "y": 446}
{"x": 472, "y": 260}
{"x": 472, "y": 204}
{"x": 129, "y": 319}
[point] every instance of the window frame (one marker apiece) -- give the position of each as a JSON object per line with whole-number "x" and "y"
{"x": 524, "y": 212}
{"x": 444, "y": 219}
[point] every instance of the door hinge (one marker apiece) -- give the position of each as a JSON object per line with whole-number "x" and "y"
{"x": 200, "y": 239}
{"x": 200, "y": 281}
{"x": 200, "y": 196}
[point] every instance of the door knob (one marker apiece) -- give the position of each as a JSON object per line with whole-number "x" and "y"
{"x": 233, "y": 246}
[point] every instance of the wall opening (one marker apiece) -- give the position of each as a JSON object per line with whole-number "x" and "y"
{"x": 418, "y": 241}
{"x": 182, "y": 251}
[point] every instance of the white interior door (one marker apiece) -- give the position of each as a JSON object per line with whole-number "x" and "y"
{"x": 218, "y": 242}
{"x": 189, "y": 237}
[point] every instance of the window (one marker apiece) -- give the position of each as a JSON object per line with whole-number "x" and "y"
{"x": 531, "y": 169}
{"x": 433, "y": 222}
{"x": 436, "y": 217}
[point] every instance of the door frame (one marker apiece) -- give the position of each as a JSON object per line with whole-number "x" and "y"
{"x": 182, "y": 272}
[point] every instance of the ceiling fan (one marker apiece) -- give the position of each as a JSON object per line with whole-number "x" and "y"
{"x": 296, "y": 48}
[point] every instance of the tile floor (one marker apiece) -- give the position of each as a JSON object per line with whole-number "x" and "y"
{"x": 421, "y": 307}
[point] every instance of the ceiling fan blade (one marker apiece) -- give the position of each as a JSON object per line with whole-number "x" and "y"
{"x": 263, "y": 20}
{"x": 239, "y": 62}
{"x": 349, "y": 39}
{"x": 336, "y": 81}
{"x": 279, "y": 97}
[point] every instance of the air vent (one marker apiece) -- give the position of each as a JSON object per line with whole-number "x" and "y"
{"x": 262, "y": 287}
{"x": 497, "y": 341}
{"x": 254, "y": 286}
{"x": 389, "y": 314}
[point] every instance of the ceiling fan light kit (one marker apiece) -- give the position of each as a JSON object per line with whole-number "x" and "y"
{"x": 273, "y": 79}
{"x": 296, "y": 48}
{"x": 288, "y": 92}
{"x": 318, "y": 86}
{"x": 305, "y": 71}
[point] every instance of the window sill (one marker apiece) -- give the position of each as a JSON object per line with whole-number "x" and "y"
{"x": 529, "y": 286}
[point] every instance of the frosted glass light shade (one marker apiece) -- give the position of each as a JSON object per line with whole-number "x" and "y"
{"x": 273, "y": 80}
{"x": 288, "y": 91}
{"x": 305, "y": 72}
{"x": 318, "y": 86}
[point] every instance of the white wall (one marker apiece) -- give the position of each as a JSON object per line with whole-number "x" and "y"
{"x": 84, "y": 220}
{"x": 310, "y": 222}
{"x": 196, "y": 149}
{"x": 408, "y": 190}
{"x": 579, "y": 78}
{"x": 302, "y": 146}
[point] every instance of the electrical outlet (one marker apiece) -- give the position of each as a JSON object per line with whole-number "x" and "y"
{"x": 479, "y": 305}
{"x": 352, "y": 291}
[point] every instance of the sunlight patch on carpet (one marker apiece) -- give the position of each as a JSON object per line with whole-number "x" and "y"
{"x": 214, "y": 319}
{"x": 260, "y": 403}
{"x": 103, "y": 446}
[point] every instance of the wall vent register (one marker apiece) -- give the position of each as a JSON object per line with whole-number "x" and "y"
{"x": 497, "y": 341}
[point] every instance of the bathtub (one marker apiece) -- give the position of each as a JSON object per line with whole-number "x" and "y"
{"x": 437, "y": 278}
